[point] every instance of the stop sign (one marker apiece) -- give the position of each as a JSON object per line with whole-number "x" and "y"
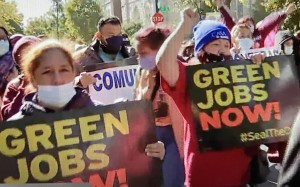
{"x": 157, "y": 18}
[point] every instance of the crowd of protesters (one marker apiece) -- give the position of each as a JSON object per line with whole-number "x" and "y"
{"x": 41, "y": 75}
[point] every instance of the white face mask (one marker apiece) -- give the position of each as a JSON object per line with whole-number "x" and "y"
{"x": 4, "y": 47}
{"x": 288, "y": 50}
{"x": 56, "y": 96}
{"x": 245, "y": 43}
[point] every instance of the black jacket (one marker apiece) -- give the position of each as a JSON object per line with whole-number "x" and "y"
{"x": 30, "y": 106}
{"x": 290, "y": 173}
{"x": 90, "y": 56}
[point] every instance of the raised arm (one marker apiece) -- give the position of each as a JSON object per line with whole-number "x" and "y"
{"x": 274, "y": 19}
{"x": 166, "y": 58}
{"x": 227, "y": 19}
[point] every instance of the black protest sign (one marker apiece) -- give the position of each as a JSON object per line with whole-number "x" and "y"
{"x": 238, "y": 103}
{"x": 101, "y": 145}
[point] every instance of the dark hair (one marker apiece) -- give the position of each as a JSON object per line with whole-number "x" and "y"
{"x": 6, "y": 32}
{"x": 111, "y": 20}
{"x": 152, "y": 36}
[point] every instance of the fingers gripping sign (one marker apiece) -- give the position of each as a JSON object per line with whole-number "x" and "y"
{"x": 155, "y": 150}
{"x": 257, "y": 58}
{"x": 86, "y": 79}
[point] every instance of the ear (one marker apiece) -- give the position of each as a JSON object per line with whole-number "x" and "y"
{"x": 98, "y": 35}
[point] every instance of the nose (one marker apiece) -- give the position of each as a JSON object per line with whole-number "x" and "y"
{"x": 224, "y": 51}
{"x": 57, "y": 78}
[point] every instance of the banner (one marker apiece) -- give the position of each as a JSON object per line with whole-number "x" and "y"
{"x": 102, "y": 145}
{"x": 268, "y": 52}
{"x": 246, "y": 54}
{"x": 239, "y": 103}
{"x": 115, "y": 81}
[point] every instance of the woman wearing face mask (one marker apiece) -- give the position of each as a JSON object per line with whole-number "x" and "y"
{"x": 262, "y": 31}
{"x": 8, "y": 70}
{"x": 50, "y": 71}
{"x": 15, "y": 90}
{"x": 241, "y": 39}
{"x": 284, "y": 42}
{"x": 222, "y": 168}
{"x": 147, "y": 86}
{"x": 49, "y": 68}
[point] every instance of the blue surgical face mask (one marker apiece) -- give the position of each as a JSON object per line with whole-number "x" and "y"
{"x": 245, "y": 43}
{"x": 148, "y": 62}
{"x": 4, "y": 47}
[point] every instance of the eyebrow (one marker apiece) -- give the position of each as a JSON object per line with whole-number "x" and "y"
{"x": 66, "y": 66}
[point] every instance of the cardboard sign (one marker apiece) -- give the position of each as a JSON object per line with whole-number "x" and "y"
{"x": 115, "y": 81}
{"x": 102, "y": 145}
{"x": 238, "y": 103}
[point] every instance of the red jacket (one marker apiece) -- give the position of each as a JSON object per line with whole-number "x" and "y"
{"x": 225, "y": 168}
{"x": 260, "y": 34}
{"x": 13, "y": 97}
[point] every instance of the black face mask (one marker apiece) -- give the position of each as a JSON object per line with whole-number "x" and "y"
{"x": 209, "y": 58}
{"x": 113, "y": 44}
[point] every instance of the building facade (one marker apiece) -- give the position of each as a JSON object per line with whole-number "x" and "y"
{"x": 142, "y": 10}
{"x": 139, "y": 10}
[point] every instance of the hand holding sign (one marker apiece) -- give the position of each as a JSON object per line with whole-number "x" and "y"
{"x": 86, "y": 79}
{"x": 257, "y": 58}
{"x": 156, "y": 150}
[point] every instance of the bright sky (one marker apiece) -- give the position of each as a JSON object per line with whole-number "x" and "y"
{"x": 33, "y": 8}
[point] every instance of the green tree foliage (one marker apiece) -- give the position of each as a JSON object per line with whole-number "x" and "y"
{"x": 131, "y": 28}
{"x": 202, "y": 6}
{"x": 82, "y": 18}
{"x": 259, "y": 11}
{"x": 47, "y": 24}
{"x": 9, "y": 16}
{"x": 292, "y": 22}
{"x": 38, "y": 26}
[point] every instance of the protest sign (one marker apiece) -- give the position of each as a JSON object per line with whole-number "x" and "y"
{"x": 247, "y": 54}
{"x": 102, "y": 145}
{"x": 115, "y": 81}
{"x": 238, "y": 103}
{"x": 268, "y": 52}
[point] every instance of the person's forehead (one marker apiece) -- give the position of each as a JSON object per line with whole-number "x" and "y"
{"x": 244, "y": 29}
{"x": 289, "y": 41}
{"x": 110, "y": 28}
{"x": 220, "y": 41}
